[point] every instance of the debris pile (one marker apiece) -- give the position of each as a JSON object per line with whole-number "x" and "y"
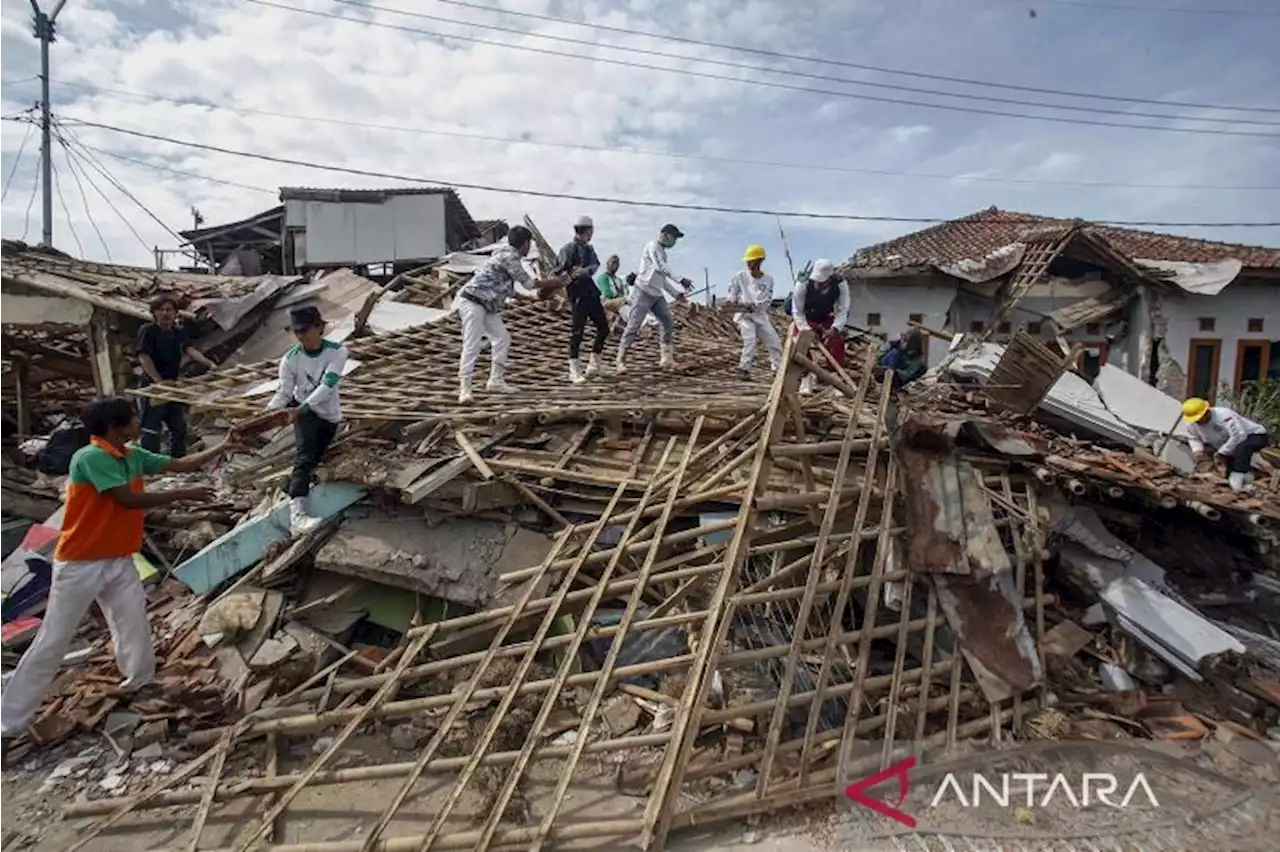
{"x": 686, "y": 589}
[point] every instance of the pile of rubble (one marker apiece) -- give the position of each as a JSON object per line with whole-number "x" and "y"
{"x": 686, "y": 589}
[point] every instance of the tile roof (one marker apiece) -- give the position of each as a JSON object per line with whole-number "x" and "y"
{"x": 978, "y": 234}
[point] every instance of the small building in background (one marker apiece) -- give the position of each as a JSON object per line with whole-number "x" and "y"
{"x": 377, "y": 233}
{"x": 1189, "y": 316}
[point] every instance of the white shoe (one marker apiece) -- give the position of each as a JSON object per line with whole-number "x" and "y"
{"x": 620, "y": 363}
{"x": 498, "y": 384}
{"x": 593, "y": 365}
{"x": 300, "y": 523}
{"x": 806, "y": 384}
{"x": 575, "y": 372}
{"x": 1236, "y": 481}
{"x": 465, "y": 396}
{"x": 667, "y": 359}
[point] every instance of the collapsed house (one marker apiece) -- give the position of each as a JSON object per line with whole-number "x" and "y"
{"x": 1185, "y": 315}
{"x": 719, "y": 586}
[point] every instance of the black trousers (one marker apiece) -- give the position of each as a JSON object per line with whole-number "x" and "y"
{"x": 588, "y": 308}
{"x": 1241, "y": 460}
{"x": 312, "y": 435}
{"x": 157, "y": 415}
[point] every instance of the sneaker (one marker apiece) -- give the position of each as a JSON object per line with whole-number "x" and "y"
{"x": 465, "y": 396}
{"x": 593, "y": 365}
{"x": 498, "y": 384}
{"x": 301, "y": 523}
{"x": 575, "y": 372}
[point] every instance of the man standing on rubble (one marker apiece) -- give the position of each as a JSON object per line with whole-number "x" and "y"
{"x": 1233, "y": 438}
{"x": 578, "y": 259}
{"x": 480, "y": 302}
{"x": 753, "y": 289}
{"x": 821, "y": 303}
{"x": 102, "y": 528}
{"x": 308, "y": 398}
{"x": 161, "y": 345}
{"x": 647, "y": 297}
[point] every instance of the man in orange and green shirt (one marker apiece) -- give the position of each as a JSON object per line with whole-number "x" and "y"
{"x": 101, "y": 530}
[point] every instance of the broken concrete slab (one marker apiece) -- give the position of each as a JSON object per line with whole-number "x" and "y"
{"x": 247, "y": 544}
{"x": 456, "y": 560}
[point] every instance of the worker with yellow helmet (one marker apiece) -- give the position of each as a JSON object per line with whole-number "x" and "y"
{"x": 1232, "y": 437}
{"x": 753, "y": 289}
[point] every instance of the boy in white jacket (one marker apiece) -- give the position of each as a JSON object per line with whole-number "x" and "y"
{"x": 308, "y": 396}
{"x": 753, "y": 289}
{"x": 653, "y": 278}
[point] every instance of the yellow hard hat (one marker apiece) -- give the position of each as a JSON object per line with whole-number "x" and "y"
{"x": 754, "y": 252}
{"x": 1194, "y": 409}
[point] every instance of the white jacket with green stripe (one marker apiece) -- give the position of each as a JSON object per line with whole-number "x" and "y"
{"x": 311, "y": 379}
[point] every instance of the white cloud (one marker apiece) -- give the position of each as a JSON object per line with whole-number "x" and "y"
{"x": 233, "y": 53}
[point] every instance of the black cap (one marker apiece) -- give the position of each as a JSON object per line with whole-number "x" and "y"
{"x": 672, "y": 231}
{"x": 303, "y": 318}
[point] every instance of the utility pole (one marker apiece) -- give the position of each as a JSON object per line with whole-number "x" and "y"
{"x": 44, "y": 30}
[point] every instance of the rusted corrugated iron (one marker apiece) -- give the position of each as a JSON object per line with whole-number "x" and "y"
{"x": 985, "y": 612}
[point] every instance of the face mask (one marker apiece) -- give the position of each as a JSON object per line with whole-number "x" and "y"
{"x": 668, "y": 241}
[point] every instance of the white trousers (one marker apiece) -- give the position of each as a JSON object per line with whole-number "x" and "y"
{"x": 114, "y": 584}
{"x": 477, "y": 324}
{"x": 756, "y": 327}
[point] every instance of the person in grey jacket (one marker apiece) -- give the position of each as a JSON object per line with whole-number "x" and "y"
{"x": 648, "y": 296}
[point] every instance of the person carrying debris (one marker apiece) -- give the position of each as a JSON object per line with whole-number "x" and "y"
{"x": 161, "y": 345}
{"x": 753, "y": 288}
{"x": 607, "y": 280}
{"x": 1233, "y": 437}
{"x": 821, "y": 302}
{"x": 579, "y": 262}
{"x": 480, "y": 303}
{"x": 647, "y": 297}
{"x": 905, "y": 357}
{"x": 102, "y": 528}
{"x": 308, "y": 398}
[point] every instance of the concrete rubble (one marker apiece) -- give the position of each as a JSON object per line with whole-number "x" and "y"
{"x": 687, "y": 589}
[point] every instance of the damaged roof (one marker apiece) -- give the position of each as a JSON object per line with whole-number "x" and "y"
{"x": 986, "y": 232}
{"x": 127, "y": 290}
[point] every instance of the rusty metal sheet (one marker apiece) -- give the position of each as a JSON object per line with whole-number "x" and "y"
{"x": 950, "y": 528}
{"x": 985, "y": 613}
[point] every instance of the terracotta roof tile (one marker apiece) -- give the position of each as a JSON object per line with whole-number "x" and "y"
{"x": 976, "y": 235}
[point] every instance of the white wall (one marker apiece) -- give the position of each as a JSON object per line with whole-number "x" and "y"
{"x": 1231, "y": 310}
{"x": 895, "y": 303}
{"x": 404, "y": 227}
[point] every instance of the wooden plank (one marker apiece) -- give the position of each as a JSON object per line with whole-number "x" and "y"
{"x": 469, "y": 449}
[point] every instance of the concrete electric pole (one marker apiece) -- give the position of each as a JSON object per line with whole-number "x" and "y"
{"x": 45, "y": 32}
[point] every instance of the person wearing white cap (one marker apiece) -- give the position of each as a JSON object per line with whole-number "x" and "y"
{"x": 753, "y": 289}
{"x": 647, "y": 297}
{"x": 578, "y": 261}
{"x": 821, "y": 302}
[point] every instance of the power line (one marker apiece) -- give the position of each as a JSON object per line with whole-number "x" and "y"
{"x": 93, "y": 161}
{"x": 792, "y": 72}
{"x": 114, "y": 209}
{"x": 705, "y": 208}
{"x": 1130, "y": 7}
{"x": 84, "y": 198}
{"x": 57, "y": 184}
{"x": 13, "y": 170}
{"x": 739, "y": 48}
{"x": 771, "y": 84}
{"x": 35, "y": 187}
{"x": 511, "y": 140}
{"x": 169, "y": 169}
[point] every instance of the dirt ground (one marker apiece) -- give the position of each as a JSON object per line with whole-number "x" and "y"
{"x": 341, "y": 812}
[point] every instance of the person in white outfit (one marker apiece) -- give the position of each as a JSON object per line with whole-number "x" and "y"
{"x": 1232, "y": 437}
{"x": 102, "y": 528}
{"x": 821, "y": 303}
{"x": 753, "y": 288}
{"x": 307, "y": 397}
{"x": 648, "y": 297}
{"x": 480, "y": 302}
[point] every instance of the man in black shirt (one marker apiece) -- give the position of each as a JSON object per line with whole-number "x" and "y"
{"x": 579, "y": 259}
{"x": 161, "y": 345}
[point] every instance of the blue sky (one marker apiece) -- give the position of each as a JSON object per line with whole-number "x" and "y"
{"x": 237, "y": 54}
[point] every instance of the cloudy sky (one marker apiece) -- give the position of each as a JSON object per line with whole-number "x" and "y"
{"x": 465, "y": 94}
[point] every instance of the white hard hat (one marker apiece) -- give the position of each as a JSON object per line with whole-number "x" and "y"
{"x": 822, "y": 269}
{"x": 583, "y": 222}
